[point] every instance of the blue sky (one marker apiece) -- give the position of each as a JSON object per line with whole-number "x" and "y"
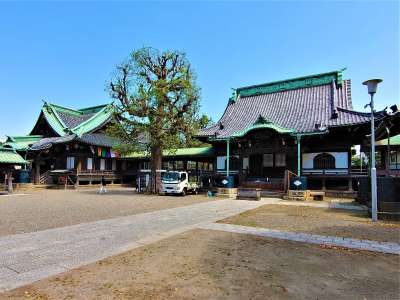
{"x": 66, "y": 52}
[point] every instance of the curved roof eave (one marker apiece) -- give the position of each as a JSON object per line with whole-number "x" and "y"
{"x": 53, "y": 119}
{"x": 95, "y": 121}
{"x": 274, "y": 127}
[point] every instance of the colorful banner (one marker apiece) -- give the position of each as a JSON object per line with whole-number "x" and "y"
{"x": 107, "y": 153}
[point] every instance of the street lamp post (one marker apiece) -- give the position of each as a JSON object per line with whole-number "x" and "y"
{"x": 372, "y": 86}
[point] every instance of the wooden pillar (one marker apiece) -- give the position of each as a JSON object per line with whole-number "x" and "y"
{"x": 323, "y": 184}
{"x": 387, "y": 161}
{"x": 350, "y": 184}
{"x": 37, "y": 173}
{"x": 10, "y": 182}
{"x": 349, "y": 162}
{"x": 197, "y": 171}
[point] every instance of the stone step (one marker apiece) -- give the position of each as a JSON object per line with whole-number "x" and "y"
{"x": 392, "y": 216}
{"x": 390, "y": 207}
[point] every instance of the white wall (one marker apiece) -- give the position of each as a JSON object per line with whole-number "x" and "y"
{"x": 221, "y": 161}
{"x": 341, "y": 159}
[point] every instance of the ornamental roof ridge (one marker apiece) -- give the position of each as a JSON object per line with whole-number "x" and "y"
{"x": 291, "y": 83}
{"x": 92, "y": 109}
{"x": 64, "y": 108}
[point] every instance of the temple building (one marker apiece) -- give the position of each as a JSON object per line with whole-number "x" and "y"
{"x": 303, "y": 126}
{"x": 269, "y": 134}
{"x": 71, "y": 147}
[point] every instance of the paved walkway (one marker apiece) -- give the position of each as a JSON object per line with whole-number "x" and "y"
{"x": 318, "y": 204}
{"x": 25, "y": 258}
{"x": 384, "y": 247}
{"x": 28, "y": 257}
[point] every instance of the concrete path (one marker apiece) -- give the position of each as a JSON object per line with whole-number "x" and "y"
{"x": 318, "y": 204}
{"x": 384, "y": 247}
{"x": 28, "y": 257}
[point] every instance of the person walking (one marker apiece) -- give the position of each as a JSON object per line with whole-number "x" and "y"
{"x": 103, "y": 188}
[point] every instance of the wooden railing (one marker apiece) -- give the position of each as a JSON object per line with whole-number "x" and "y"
{"x": 97, "y": 172}
{"x": 286, "y": 181}
{"x": 44, "y": 177}
{"x": 358, "y": 171}
{"x": 336, "y": 171}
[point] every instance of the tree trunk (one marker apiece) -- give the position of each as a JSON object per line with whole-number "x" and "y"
{"x": 156, "y": 159}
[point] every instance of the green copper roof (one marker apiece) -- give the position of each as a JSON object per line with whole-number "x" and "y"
{"x": 291, "y": 84}
{"x": 21, "y": 143}
{"x": 97, "y": 116}
{"x": 262, "y": 123}
{"x": 262, "y": 126}
{"x": 9, "y": 156}
{"x": 96, "y": 121}
{"x": 394, "y": 140}
{"x": 195, "y": 151}
{"x": 53, "y": 119}
{"x": 92, "y": 109}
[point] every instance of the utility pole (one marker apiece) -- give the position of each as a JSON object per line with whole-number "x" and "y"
{"x": 372, "y": 86}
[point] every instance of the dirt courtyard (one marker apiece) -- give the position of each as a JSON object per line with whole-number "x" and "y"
{"x": 201, "y": 264}
{"x": 324, "y": 221}
{"x": 44, "y": 209}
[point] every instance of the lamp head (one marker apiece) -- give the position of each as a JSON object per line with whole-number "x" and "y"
{"x": 372, "y": 85}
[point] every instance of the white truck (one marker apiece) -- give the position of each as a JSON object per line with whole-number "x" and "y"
{"x": 177, "y": 182}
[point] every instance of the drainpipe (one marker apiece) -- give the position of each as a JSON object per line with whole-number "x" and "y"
{"x": 298, "y": 138}
{"x": 227, "y": 158}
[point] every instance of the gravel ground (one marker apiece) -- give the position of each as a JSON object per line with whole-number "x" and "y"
{"x": 46, "y": 209}
{"x": 324, "y": 221}
{"x": 201, "y": 264}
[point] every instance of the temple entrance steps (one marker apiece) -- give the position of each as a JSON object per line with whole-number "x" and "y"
{"x": 262, "y": 188}
{"x": 44, "y": 177}
{"x": 272, "y": 194}
{"x": 257, "y": 194}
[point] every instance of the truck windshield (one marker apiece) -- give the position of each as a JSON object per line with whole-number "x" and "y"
{"x": 171, "y": 176}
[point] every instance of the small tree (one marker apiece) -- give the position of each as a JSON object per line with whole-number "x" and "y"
{"x": 157, "y": 104}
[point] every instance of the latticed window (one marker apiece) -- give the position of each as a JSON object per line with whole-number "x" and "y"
{"x": 324, "y": 161}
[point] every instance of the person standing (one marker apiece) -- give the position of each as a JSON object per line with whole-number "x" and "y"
{"x": 103, "y": 188}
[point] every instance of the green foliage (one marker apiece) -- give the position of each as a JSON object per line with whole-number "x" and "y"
{"x": 157, "y": 101}
{"x": 198, "y": 123}
{"x": 356, "y": 161}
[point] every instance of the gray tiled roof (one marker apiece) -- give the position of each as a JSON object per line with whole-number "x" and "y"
{"x": 297, "y": 109}
{"x": 95, "y": 139}
{"x": 71, "y": 120}
{"x": 98, "y": 139}
{"x": 49, "y": 142}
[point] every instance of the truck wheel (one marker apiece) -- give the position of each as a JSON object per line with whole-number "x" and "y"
{"x": 183, "y": 192}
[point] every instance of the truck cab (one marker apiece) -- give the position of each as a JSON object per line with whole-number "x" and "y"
{"x": 177, "y": 182}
